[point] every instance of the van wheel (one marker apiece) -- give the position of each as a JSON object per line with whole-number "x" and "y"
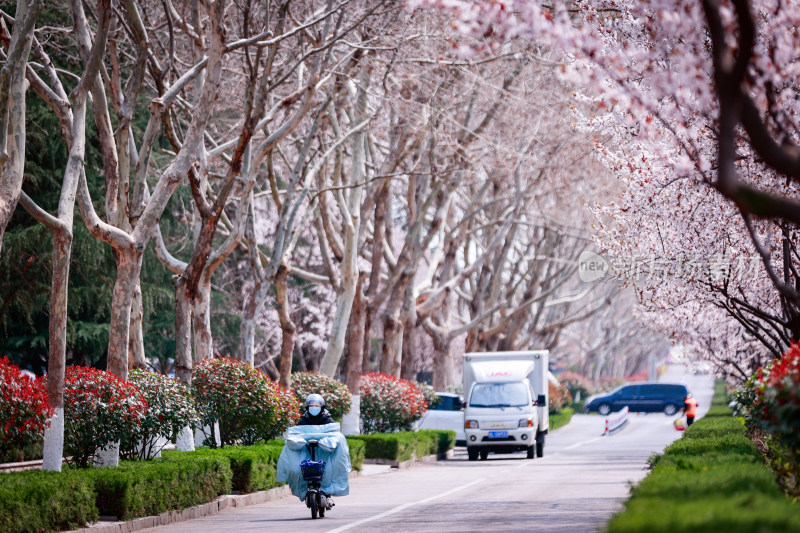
{"x": 604, "y": 409}
{"x": 531, "y": 452}
{"x": 472, "y": 453}
{"x": 670, "y": 409}
{"x": 484, "y": 454}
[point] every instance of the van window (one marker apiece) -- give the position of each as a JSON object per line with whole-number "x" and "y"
{"x": 655, "y": 390}
{"x": 627, "y": 392}
{"x": 499, "y": 395}
{"x": 677, "y": 390}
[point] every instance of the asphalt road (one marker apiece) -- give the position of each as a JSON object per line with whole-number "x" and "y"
{"x": 577, "y": 486}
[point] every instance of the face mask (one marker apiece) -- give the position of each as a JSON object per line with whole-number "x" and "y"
{"x": 314, "y": 410}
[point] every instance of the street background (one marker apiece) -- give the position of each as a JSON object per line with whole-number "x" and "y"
{"x": 578, "y": 485}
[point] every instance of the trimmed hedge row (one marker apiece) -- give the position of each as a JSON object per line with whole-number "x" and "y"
{"x": 34, "y": 501}
{"x": 145, "y": 488}
{"x": 357, "y": 450}
{"x": 713, "y": 479}
{"x": 561, "y": 419}
{"x": 252, "y": 467}
{"x": 403, "y": 445}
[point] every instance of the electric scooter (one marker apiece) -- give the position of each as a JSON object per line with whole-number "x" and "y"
{"x": 312, "y": 471}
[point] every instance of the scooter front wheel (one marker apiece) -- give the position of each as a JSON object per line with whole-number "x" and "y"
{"x": 321, "y": 507}
{"x": 314, "y": 507}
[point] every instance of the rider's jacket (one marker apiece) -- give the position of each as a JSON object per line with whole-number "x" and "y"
{"x": 320, "y": 420}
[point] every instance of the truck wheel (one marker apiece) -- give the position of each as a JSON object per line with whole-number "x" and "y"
{"x": 604, "y": 409}
{"x": 670, "y": 409}
{"x": 531, "y": 452}
{"x": 484, "y": 454}
{"x": 472, "y": 453}
{"x": 540, "y": 445}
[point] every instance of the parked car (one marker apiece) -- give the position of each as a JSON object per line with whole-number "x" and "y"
{"x": 449, "y": 402}
{"x": 448, "y": 413}
{"x": 640, "y": 397}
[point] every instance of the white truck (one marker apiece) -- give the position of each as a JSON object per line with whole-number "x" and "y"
{"x": 506, "y": 402}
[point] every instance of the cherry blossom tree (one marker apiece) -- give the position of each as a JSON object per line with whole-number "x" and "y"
{"x": 710, "y": 110}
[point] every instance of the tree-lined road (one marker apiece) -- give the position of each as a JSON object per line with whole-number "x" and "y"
{"x": 577, "y": 486}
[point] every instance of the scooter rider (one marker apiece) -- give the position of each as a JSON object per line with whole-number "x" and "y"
{"x": 315, "y": 414}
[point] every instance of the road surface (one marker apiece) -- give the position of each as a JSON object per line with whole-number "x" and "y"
{"x": 577, "y": 486}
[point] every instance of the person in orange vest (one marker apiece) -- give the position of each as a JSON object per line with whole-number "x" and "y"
{"x": 690, "y": 409}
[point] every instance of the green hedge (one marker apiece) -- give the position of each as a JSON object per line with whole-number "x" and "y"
{"x": 145, "y": 488}
{"x": 49, "y": 501}
{"x": 402, "y": 446}
{"x": 443, "y": 440}
{"x": 561, "y": 419}
{"x": 253, "y": 467}
{"x": 357, "y": 450}
{"x": 713, "y": 479}
{"x": 34, "y": 501}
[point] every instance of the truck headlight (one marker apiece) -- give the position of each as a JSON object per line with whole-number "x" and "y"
{"x": 471, "y": 424}
{"x": 525, "y": 422}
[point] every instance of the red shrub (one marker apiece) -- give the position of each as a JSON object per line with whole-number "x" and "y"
{"x": 559, "y": 398}
{"x": 248, "y": 407}
{"x": 389, "y": 403}
{"x": 577, "y": 383}
{"x": 99, "y": 409}
{"x": 24, "y": 410}
{"x": 777, "y": 399}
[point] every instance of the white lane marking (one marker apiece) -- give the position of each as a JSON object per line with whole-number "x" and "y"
{"x": 403, "y": 507}
{"x": 582, "y": 443}
{"x": 451, "y": 491}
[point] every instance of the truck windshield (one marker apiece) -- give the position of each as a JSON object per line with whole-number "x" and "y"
{"x": 499, "y": 395}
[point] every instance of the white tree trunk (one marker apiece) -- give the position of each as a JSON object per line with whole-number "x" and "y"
{"x": 54, "y": 441}
{"x": 200, "y": 434}
{"x": 249, "y": 340}
{"x": 108, "y": 456}
{"x": 351, "y": 215}
{"x": 351, "y": 421}
{"x": 185, "y": 441}
{"x": 341, "y": 320}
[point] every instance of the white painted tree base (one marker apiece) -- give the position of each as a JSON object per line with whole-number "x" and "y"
{"x": 185, "y": 441}
{"x": 153, "y": 449}
{"x": 108, "y": 456}
{"x": 200, "y": 435}
{"x": 351, "y": 422}
{"x": 54, "y": 442}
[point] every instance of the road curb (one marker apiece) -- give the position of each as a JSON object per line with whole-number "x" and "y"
{"x": 198, "y": 511}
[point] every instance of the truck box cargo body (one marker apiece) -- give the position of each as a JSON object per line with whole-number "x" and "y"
{"x": 507, "y": 402}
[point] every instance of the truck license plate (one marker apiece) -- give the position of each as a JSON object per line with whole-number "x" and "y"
{"x": 498, "y": 434}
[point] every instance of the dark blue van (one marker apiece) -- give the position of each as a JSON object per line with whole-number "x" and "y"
{"x": 640, "y": 397}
